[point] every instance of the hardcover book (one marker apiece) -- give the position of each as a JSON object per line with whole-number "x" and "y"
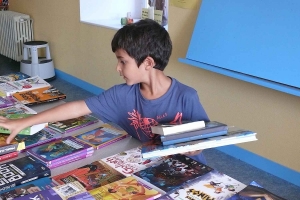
{"x": 213, "y": 185}
{"x": 20, "y": 171}
{"x": 26, "y": 131}
{"x": 17, "y": 108}
{"x": 127, "y": 188}
{"x": 14, "y": 76}
{"x": 60, "y": 150}
{"x": 211, "y": 129}
{"x": 169, "y": 129}
{"x": 130, "y": 161}
{"x": 41, "y": 137}
{"x": 11, "y": 87}
{"x": 28, "y": 188}
{"x": 73, "y": 124}
{"x": 233, "y": 136}
{"x": 40, "y": 95}
{"x": 14, "y": 145}
{"x": 102, "y": 136}
{"x": 174, "y": 172}
{"x": 9, "y": 156}
{"x": 91, "y": 176}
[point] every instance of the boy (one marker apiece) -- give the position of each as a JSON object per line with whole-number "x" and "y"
{"x": 148, "y": 98}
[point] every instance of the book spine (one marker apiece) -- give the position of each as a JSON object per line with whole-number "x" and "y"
{"x": 81, "y": 126}
{"x": 38, "y": 143}
{"x": 71, "y": 159}
{"x": 8, "y": 149}
{"x": 8, "y": 156}
{"x": 112, "y": 141}
{"x": 45, "y": 101}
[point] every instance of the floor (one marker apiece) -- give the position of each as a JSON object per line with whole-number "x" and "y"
{"x": 229, "y": 165}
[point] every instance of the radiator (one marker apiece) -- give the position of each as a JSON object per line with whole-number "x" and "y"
{"x": 15, "y": 29}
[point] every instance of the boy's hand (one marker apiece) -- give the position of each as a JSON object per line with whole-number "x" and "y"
{"x": 192, "y": 153}
{"x": 12, "y": 125}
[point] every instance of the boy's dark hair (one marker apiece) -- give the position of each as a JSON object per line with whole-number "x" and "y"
{"x": 144, "y": 38}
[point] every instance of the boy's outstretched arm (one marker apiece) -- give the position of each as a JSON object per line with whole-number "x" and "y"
{"x": 61, "y": 112}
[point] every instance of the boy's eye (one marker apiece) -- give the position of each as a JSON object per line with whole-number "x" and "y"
{"x": 122, "y": 62}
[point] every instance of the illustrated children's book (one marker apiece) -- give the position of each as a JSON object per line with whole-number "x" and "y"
{"x": 102, "y": 136}
{"x": 127, "y": 188}
{"x": 20, "y": 171}
{"x": 11, "y": 87}
{"x": 17, "y": 108}
{"x": 91, "y": 176}
{"x": 82, "y": 196}
{"x": 169, "y": 128}
{"x": 130, "y": 161}
{"x": 8, "y": 156}
{"x": 73, "y": 124}
{"x": 233, "y": 136}
{"x": 63, "y": 149}
{"x": 174, "y": 172}
{"x": 14, "y": 145}
{"x": 40, "y": 95}
{"x": 6, "y": 102}
{"x": 41, "y": 137}
{"x": 26, "y": 131}
{"x": 213, "y": 185}
{"x": 14, "y": 76}
{"x": 28, "y": 188}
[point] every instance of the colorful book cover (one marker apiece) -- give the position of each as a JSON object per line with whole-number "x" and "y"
{"x": 14, "y": 145}
{"x": 9, "y": 156}
{"x": 14, "y": 76}
{"x": 16, "y": 109}
{"x": 41, "y": 137}
{"x": 130, "y": 161}
{"x": 82, "y": 196}
{"x": 91, "y": 176}
{"x": 73, "y": 124}
{"x": 59, "y": 150}
{"x": 173, "y": 173}
{"x": 68, "y": 190}
{"x": 20, "y": 171}
{"x": 102, "y": 136}
{"x": 127, "y": 188}
{"x": 40, "y": 95}
{"x": 6, "y": 102}
{"x": 213, "y": 185}
{"x": 26, "y": 131}
{"x": 49, "y": 194}
{"x": 28, "y": 188}
{"x": 11, "y": 87}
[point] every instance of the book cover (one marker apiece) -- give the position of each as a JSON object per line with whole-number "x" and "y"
{"x": 127, "y": 188}
{"x": 20, "y": 171}
{"x": 130, "y": 161}
{"x": 233, "y": 136}
{"x": 49, "y": 194}
{"x": 41, "y": 137}
{"x": 17, "y": 108}
{"x": 40, "y": 95}
{"x": 59, "y": 150}
{"x": 102, "y": 136}
{"x": 82, "y": 196}
{"x": 69, "y": 159}
{"x": 6, "y": 102}
{"x": 14, "y": 145}
{"x": 213, "y": 185}
{"x": 11, "y": 87}
{"x": 14, "y": 76}
{"x": 73, "y": 124}
{"x": 252, "y": 192}
{"x": 91, "y": 176}
{"x": 173, "y": 173}
{"x": 68, "y": 190}
{"x": 210, "y": 127}
{"x": 169, "y": 129}
{"x": 26, "y": 131}
{"x": 28, "y": 188}
{"x": 9, "y": 156}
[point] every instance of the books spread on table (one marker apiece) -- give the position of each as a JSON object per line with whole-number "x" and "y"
{"x": 168, "y": 128}
{"x": 11, "y": 87}
{"x": 73, "y": 124}
{"x": 14, "y": 76}
{"x": 61, "y": 151}
{"x": 213, "y": 185}
{"x": 211, "y": 129}
{"x": 127, "y": 188}
{"x": 233, "y": 136}
{"x": 20, "y": 171}
{"x": 130, "y": 161}
{"x": 91, "y": 176}
{"x": 102, "y": 136}
{"x": 174, "y": 172}
{"x": 26, "y": 131}
{"x": 17, "y": 108}
{"x": 39, "y": 95}
{"x": 14, "y": 145}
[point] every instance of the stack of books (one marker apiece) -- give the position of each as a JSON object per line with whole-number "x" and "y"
{"x": 8, "y": 151}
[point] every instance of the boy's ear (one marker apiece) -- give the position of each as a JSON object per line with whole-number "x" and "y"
{"x": 149, "y": 62}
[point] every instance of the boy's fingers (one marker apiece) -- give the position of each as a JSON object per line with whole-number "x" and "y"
{"x": 10, "y": 138}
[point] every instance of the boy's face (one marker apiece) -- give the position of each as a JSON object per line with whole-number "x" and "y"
{"x": 128, "y": 68}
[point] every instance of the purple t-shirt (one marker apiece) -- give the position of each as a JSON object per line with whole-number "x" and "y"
{"x": 125, "y": 106}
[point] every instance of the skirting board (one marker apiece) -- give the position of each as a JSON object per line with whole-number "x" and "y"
{"x": 255, "y": 160}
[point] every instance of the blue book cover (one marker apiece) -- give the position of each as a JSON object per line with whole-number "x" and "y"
{"x": 14, "y": 76}
{"x": 41, "y": 195}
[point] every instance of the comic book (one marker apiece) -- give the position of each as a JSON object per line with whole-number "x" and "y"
{"x": 91, "y": 176}
{"x": 14, "y": 145}
{"x": 174, "y": 172}
{"x": 130, "y": 161}
{"x": 102, "y": 136}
